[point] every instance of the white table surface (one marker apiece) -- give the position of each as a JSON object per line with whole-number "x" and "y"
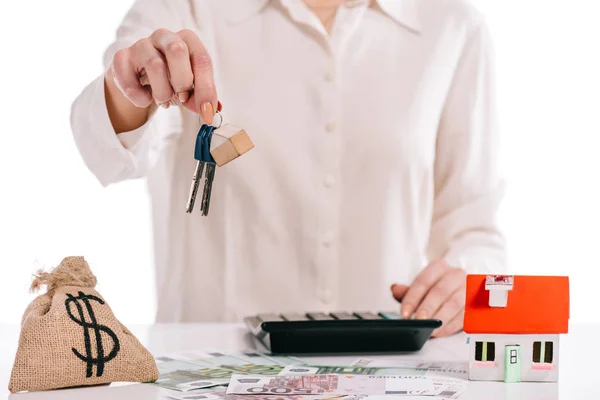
{"x": 579, "y": 356}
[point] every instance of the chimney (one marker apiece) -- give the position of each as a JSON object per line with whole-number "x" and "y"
{"x": 498, "y": 286}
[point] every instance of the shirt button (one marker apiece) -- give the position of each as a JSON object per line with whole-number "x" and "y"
{"x": 330, "y": 127}
{"x": 329, "y": 77}
{"x": 329, "y": 181}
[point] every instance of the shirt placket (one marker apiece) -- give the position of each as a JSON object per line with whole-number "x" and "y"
{"x": 331, "y": 145}
{"x": 330, "y": 132}
{"x": 347, "y": 19}
{"x": 329, "y": 184}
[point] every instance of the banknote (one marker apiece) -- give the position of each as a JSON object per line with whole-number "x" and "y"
{"x": 219, "y": 393}
{"x": 331, "y": 384}
{"x": 448, "y": 369}
{"x": 450, "y": 379}
{"x": 183, "y": 375}
{"x": 328, "y": 369}
{"x": 446, "y": 387}
{"x": 188, "y": 371}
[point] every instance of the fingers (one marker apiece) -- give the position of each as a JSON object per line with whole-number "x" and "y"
{"x": 422, "y": 284}
{"x": 176, "y": 53}
{"x": 126, "y": 78}
{"x": 399, "y": 291}
{"x": 451, "y": 327}
{"x": 205, "y": 93}
{"x": 452, "y": 280}
{"x": 167, "y": 66}
{"x": 450, "y": 308}
{"x": 147, "y": 58}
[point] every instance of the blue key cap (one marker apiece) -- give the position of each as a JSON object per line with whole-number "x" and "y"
{"x": 198, "y": 148}
{"x": 207, "y": 139}
{"x": 390, "y": 315}
{"x": 202, "y": 148}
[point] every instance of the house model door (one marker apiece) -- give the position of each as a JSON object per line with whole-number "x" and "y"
{"x": 512, "y": 363}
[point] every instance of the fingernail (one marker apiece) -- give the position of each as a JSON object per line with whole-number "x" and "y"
{"x": 165, "y": 105}
{"x": 206, "y": 111}
{"x": 421, "y": 315}
{"x": 219, "y": 106}
{"x": 393, "y": 286}
{"x": 183, "y": 97}
{"x": 407, "y": 311}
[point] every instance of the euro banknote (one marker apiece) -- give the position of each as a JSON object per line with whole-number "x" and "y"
{"x": 194, "y": 370}
{"x": 331, "y": 384}
{"x": 219, "y": 393}
{"x": 445, "y": 387}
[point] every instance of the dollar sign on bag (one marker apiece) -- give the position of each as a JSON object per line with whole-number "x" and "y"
{"x": 92, "y": 324}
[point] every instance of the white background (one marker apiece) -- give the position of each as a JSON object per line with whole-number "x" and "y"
{"x": 548, "y": 68}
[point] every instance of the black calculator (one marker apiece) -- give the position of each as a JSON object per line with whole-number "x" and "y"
{"x": 340, "y": 332}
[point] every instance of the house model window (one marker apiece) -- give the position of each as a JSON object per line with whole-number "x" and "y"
{"x": 499, "y": 286}
{"x": 543, "y": 352}
{"x": 485, "y": 351}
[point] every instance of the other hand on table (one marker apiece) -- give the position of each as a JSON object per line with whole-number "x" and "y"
{"x": 438, "y": 292}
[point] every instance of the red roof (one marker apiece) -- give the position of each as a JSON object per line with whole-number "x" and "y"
{"x": 536, "y": 305}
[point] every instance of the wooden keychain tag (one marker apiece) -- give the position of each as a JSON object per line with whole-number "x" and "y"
{"x": 228, "y": 142}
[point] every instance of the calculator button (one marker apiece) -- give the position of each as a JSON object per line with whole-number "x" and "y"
{"x": 367, "y": 315}
{"x": 343, "y": 315}
{"x": 294, "y": 317}
{"x": 319, "y": 316}
{"x": 390, "y": 315}
{"x": 269, "y": 317}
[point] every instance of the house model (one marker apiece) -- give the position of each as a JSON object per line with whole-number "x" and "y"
{"x": 513, "y": 325}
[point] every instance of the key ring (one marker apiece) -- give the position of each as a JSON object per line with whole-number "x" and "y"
{"x": 213, "y": 124}
{"x": 221, "y": 120}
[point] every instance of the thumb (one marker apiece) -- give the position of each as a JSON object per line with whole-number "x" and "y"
{"x": 398, "y": 291}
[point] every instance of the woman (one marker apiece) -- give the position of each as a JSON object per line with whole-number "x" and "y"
{"x": 374, "y": 160}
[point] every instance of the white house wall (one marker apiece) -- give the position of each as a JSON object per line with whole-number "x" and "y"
{"x": 496, "y": 373}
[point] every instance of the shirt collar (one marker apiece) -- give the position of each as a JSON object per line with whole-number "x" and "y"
{"x": 405, "y": 12}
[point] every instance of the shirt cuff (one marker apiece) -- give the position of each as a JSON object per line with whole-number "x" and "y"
{"x": 109, "y": 156}
{"x": 132, "y": 139}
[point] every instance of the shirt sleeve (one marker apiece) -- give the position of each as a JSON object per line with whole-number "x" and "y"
{"x": 468, "y": 187}
{"x": 111, "y": 157}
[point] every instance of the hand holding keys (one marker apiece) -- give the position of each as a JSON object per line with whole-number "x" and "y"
{"x": 229, "y": 143}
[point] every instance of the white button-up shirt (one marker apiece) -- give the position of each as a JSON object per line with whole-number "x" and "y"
{"x": 375, "y": 152}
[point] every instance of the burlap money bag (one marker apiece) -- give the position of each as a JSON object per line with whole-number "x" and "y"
{"x": 70, "y": 337}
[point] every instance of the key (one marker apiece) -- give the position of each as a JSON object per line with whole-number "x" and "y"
{"x": 294, "y": 317}
{"x": 210, "y": 176}
{"x": 197, "y": 172}
{"x": 367, "y": 315}
{"x": 194, "y": 188}
{"x": 343, "y": 315}
{"x": 390, "y": 315}
{"x": 204, "y": 159}
{"x": 319, "y": 316}
{"x": 210, "y": 169}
